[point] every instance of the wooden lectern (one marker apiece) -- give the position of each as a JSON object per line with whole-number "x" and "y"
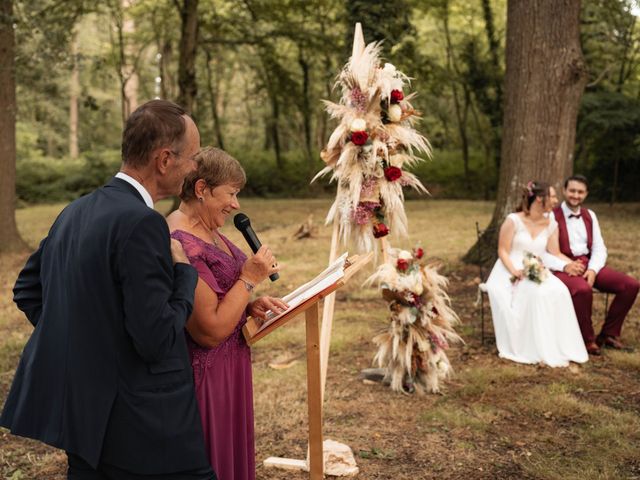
{"x": 307, "y": 298}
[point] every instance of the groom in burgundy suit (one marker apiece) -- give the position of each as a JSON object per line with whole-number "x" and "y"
{"x": 581, "y": 240}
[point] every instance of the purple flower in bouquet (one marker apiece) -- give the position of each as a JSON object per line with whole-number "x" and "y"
{"x": 358, "y": 99}
{"x": 363, "y": 213}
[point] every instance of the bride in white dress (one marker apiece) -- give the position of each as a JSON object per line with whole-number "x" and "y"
{"x": 533, "y": 322}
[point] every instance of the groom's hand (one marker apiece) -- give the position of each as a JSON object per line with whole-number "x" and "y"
{"x": 574, "y": 268}
{"x": 590, "y": 277}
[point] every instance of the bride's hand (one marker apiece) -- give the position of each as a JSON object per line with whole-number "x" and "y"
{"x": 519, "y": 274}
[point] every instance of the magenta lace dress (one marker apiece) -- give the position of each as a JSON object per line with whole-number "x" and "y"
{"x": 222, "y": 374}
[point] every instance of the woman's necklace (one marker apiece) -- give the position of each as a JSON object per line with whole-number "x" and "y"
{"x": 214, "y": 238}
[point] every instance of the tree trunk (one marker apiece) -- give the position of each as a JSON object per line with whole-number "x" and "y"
{"x": 306, "y": 110}
{"x": 74, "y": 89}
{"x": 274, "y": 128}
{"x": 130, "y": 51}
{"x": 188, "y": 88}
{"x": 213, "y": 97}
{"x": 495, "y": 115}
{"x": 544, "y": 81}
{"x": 453, "y": 77}
{"x": 10, "y": 240}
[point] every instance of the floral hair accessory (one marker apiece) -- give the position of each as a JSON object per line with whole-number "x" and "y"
{"x": 530, "y": 189}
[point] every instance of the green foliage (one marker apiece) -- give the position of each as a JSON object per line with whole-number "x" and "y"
{"x": 444, "y": 176}
{"x": 264, "y": 66}
{"x": 266, "y": 179}
{"x": 609, "y": 138}
{"x": 46, "y": 180}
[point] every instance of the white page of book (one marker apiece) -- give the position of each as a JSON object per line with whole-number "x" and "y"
{"x": 329, "y": 276}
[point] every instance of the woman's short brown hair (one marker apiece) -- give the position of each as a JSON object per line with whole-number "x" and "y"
{"x": 216, "y": 167}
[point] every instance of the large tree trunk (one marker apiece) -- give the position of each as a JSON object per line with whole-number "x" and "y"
{"x": 10, "y": 240}
{"x": 187, "y": 61}
{"x": 544, "y": 82}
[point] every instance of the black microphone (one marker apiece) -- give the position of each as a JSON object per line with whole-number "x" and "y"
{"x": 242, "y": 223}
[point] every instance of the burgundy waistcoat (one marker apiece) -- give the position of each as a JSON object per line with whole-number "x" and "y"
{"x": 565, "y": 246}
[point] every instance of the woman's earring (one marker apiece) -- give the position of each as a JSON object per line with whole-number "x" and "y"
{"x": 201, "y": 199}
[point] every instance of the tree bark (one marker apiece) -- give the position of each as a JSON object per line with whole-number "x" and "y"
{"x": 545, "y": 78}
{"x": 305, "y": 67}
{"x": 130, "y": 50}
{"x": 495, "y": 112}
{"x": 213, "y": 98}
{"x": 454, "y": 74}
{"x": 10, "y": 240}
{"x": 74, "y": 89}
{"x": 188, "y": 87}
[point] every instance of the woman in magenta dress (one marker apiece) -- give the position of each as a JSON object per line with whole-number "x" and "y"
{"x": 220, "y": 357}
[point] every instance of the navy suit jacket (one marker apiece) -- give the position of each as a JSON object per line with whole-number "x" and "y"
{"x": 106, "y": 373}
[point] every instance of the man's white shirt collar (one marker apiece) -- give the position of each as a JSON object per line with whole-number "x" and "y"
{"x": 138, "y": 186}
{"x": 566, "y": 210}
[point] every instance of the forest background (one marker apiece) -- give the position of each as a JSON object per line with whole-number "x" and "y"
{"x": 254, "y": 74}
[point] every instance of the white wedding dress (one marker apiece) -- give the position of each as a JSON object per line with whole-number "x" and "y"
{"x": 533, "y": 323}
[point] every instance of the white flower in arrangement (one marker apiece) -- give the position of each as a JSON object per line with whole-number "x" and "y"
{"x": 405, "y": 255}
{"x": 358, "y": 125}
{"x": 394, "y": 113}
{"x": 411, "y": 283}
{"x": 443, "y": 367}
{"x": 389, "y": 68}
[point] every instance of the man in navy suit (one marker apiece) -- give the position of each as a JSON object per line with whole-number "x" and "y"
{"x": 106, "y": 373}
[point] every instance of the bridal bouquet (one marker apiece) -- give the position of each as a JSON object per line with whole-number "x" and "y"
{"x": 533, "y": 269}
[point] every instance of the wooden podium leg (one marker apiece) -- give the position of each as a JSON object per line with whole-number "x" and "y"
{"x": 314, "y": 395}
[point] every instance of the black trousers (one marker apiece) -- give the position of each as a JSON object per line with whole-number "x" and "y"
{"x": 81, "y": 470}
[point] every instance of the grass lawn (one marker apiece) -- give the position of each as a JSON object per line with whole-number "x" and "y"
{"x": 494, "y": 419}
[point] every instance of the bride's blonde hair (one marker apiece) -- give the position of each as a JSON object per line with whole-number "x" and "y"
{"x": 532, "y": 190}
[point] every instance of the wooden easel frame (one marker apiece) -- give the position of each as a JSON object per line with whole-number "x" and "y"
{"x": 311, "y": 311}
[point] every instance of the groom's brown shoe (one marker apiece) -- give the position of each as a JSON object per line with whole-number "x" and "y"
{"x": 593, "y": 349}
{"x": 608, "y": 341}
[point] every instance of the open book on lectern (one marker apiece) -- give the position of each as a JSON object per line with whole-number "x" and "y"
{"x": 324, "y": 283}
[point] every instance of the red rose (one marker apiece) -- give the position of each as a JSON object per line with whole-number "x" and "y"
{"x": 402, "y": 265}
{"x": 359, "y": 138}
{"x": 380, "y": 230}
{"x": 396, "y": 96}
{"x": 392, "y": 173}
{"x": 419, "y": 253}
